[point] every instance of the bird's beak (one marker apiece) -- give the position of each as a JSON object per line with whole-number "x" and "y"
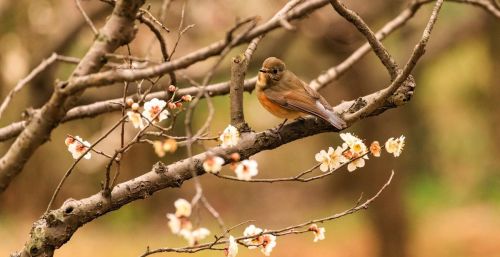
{"x": 263, "y": 70}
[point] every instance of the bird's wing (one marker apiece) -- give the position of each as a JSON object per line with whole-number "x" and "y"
{"x": 300, "y": 97}
{"x": 298, "y": 100}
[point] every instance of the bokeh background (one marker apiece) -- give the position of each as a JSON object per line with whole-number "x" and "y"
{"x": 443, "y": 201}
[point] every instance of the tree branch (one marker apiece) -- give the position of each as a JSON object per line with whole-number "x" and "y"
{"x": 404, "y": 76}
{"x": 239, "y": 67}
{"x": 375, "y": 43}
{"x": 109, "y": 77}
{"x": 56, "y": 227}
{"x": 101, "y": 107}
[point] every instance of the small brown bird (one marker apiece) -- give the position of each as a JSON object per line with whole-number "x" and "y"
{"x": 284, "y": 95}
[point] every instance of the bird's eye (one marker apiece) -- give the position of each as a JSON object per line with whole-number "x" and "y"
{"x": 275, "y": 71}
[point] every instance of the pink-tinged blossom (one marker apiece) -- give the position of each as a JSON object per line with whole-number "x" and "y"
{"x": 77, "y": 147}
{"x": 154, "y": 110}
{"x": 213, "y": 164}
{"x": 319, "y": 233}
{"x": 254, "y": 242}
{"x": 268, "y": 244}
{"x": 246, "y": 169}
{"x": 375, "y": 149}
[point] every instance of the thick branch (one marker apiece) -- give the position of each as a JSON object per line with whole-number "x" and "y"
{"x": 238, "y": 70}
{"x": 97, "y": 108}
{"x": 109, "y": 77}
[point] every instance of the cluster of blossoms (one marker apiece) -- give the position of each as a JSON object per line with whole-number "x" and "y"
{"x": 77, "y": 146}
{"x": 266, "y": 242}
{"x": 155, "y": 110}
{"x": 257, "y": 238}
{"x": 354, "y": 152}
{"x": 244, "y": 170}
{"x": 180, "y": 224}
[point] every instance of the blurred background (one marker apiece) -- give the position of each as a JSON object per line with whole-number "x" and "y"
{"x": 443, "y": 201}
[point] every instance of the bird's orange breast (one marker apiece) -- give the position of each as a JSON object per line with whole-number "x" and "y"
{"x": 276, "y": 109}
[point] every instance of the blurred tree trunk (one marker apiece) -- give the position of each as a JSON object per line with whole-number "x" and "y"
{"x": 42, "y": 85}
{"x": 388, "y": 216}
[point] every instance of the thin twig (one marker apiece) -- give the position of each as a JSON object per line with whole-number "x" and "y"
{"x": 153, "y": 19}
{"x": 361, "y": 26}
{"x": 297, "y": 178}
{"x": 86, "y": 17}
{"x": 164, "y": 9}
{"x": 41, "y": 67}
{"x": 213, "y": 212}
{"x": 92, "y": 149}
{"x": 68, "y": 172}
{"x": 405, "y": 73}
{"x": 290, "y": 230}
{"x": 180, "y": 30}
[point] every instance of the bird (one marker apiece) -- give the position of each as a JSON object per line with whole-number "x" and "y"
{"x": 286, "y": 96}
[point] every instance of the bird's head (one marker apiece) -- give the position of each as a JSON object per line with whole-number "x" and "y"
{"x": 272, "y": 71}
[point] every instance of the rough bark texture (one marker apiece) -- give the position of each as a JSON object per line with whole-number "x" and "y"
{"x": 238, "y": 71}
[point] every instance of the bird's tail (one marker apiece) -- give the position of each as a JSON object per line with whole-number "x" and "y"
{"x": 336, "y": 121}
{"x": 329, "y": 115}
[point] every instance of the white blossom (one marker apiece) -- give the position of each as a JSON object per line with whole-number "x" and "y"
{"x": 182, "y": 208}
{"x": 246, "y": 169}
{"x": 77, "y": 147}
{"x": 195, "y": 236}
{"x": 229, "y": 137}
{"x": 395, "y": 146}
{"x": 319, "y": 233}
{"x": 154, "y": 110}
{"x": 213, "y": 164}
{"x": 232, "y": 248}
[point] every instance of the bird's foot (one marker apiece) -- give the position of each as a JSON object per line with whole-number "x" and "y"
{"x": 278, "y": 129}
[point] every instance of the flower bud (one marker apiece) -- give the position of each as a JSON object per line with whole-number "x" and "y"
{"x": 69, "y": 140}
{"x": 235, "y": 157}
{"x": 171, "y": 105}
{"x": 135, "y": 106}
{"x": 187, "y": 98}
{"x": 172, "y": 88}
{"x": 129, "y": 101}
